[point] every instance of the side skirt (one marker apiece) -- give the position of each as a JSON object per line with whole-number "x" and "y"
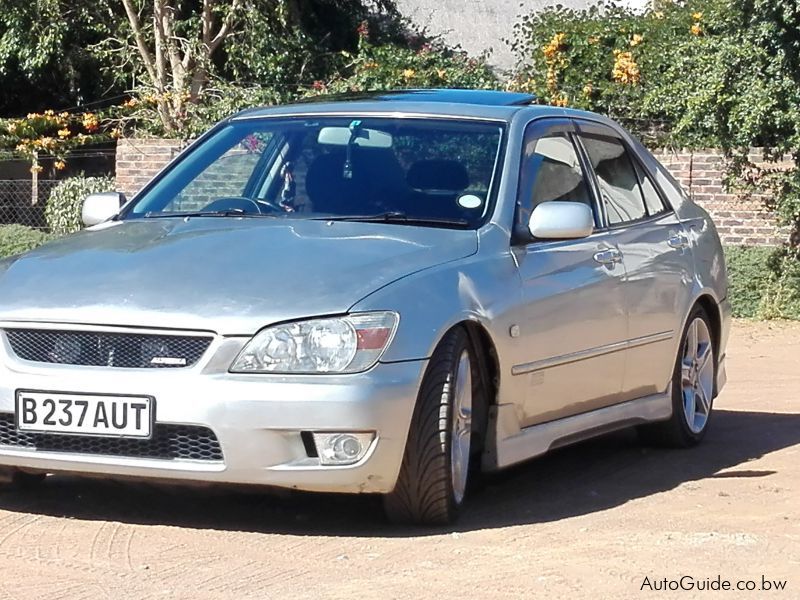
{"x": 509, "y": 444}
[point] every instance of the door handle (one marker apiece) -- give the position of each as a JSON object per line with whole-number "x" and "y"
{"x": 678, "y": 241}
{"x": 608, "y": 257}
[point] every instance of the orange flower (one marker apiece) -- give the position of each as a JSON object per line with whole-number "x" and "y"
{"x": 60, "y": 165}
{"x": 90, "y": 121}
{"x": 625, "y": 68}
{"x": 696, "y": 29}
{"x": 554, "y": 46}
{"x": 64, "y": 133}
{"x": 37, "y": 169}
{"x": 45, "y": 143}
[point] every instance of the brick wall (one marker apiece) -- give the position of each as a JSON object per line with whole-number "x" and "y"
{"x": 739, "y": 219}
{"x": 138, "y": 160}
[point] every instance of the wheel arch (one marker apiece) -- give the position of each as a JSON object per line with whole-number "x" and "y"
{"x": 711, "y": 308}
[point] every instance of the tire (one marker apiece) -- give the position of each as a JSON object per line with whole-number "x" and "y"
{"x": 433, "y": 476}
{"x": 693, "y": 388}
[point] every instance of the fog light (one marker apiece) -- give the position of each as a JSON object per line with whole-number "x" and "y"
{"x": 342, "y": 448}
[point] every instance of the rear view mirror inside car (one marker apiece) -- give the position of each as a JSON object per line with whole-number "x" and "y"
{"x": 343, "y": 136}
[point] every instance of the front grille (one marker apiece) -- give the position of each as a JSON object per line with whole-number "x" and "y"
{"x": 104, "y": 349}
{"x": 169, "y": 442}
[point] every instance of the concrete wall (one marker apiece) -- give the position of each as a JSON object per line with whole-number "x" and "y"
{"x": 479, "y": 25}
{"x": 740, "y": 220}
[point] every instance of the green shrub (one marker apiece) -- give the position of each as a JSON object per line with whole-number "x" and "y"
{"x": 63, "y": 209}
{"x": 764, "y": 283}
{"x": 15, "y": 239}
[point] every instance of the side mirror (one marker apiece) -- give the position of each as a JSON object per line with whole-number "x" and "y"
{"x": 561, "y": 221}
{"x": 100, "y": 207}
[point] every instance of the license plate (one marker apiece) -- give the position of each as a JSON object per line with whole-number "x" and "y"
{"x": 85, "y": 414}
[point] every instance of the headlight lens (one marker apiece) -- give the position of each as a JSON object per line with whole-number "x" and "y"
{"x": 338, "y": 345}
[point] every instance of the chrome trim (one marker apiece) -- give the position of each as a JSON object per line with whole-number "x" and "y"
{"x": 565, "y": 359}
{"x": 66, "y": 326}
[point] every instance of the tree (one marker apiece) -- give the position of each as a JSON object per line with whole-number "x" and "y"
{"x": 46, "y": 54}
{"x": 177, "y": 51}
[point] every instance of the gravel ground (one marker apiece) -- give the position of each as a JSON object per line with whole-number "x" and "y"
{"x": 591, "y": 521}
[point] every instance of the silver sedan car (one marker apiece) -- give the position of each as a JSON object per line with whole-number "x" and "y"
{"x": 385, "y": 294}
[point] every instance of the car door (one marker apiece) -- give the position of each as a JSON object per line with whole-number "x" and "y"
{"x": 656, "y": 256}
{"x": 574, "y": 322}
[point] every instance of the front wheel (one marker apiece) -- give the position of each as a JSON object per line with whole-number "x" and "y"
{"x": 433, "y": 477}
{"x": 693, "y": 384}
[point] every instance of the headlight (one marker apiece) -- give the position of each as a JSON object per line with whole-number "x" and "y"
{"x": 337, "y": 345}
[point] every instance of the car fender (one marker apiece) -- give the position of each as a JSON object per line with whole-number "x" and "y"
{"x": 482, "y": 288}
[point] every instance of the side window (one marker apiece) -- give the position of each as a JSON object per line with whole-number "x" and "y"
{"x": 617, "y": 179}
{"x": 652, "y": 199}
{"x": 551, "y": 171}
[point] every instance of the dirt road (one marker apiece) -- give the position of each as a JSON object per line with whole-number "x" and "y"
{"x": 590, "y": 521}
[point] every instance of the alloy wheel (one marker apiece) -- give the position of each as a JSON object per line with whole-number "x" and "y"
{"x": 697, "y": 375}
{"x": 461, "y": 427}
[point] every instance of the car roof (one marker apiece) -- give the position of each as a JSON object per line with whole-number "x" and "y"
{"x": 479, "y": 104}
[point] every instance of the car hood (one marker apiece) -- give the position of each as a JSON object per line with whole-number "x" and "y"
{"x": 228, "y": 275}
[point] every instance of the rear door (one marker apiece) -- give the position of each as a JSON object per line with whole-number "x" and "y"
{"x": 656, "y": 256}
{"x": 573, "y": 323}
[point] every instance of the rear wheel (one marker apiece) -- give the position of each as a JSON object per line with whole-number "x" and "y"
{"x": 433, "y": 477}
{"x": 693, "y": 384}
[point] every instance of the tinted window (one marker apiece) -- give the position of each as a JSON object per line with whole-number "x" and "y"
{"x": 550, "y": 171}
{"x": 335, "y": 167}
{"x": 652, "y": 199}
{"x": 619, "y": 185}
{"x": 227, "y": 176}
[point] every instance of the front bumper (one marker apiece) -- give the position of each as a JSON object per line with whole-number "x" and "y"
{"x": 257, "y": 419}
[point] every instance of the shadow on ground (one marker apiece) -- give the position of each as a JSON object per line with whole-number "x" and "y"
{"x": 582, "y": 479}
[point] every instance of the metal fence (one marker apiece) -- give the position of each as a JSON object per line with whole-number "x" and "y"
{"x": 23, "y": 200}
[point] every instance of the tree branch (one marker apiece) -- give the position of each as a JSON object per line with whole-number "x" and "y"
{"x": 161, "y": 41}
{"x": 144, "y": 52}
{"x": 226, "y": 28}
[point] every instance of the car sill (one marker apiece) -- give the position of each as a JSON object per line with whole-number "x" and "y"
{"x": 514, "y": 445}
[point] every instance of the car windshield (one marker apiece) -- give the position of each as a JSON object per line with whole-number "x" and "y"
{"x": 435, "y": 172}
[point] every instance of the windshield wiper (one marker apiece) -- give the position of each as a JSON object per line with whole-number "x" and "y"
{"x": 231, "y": 212}
{"x": 397, "y": 217}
